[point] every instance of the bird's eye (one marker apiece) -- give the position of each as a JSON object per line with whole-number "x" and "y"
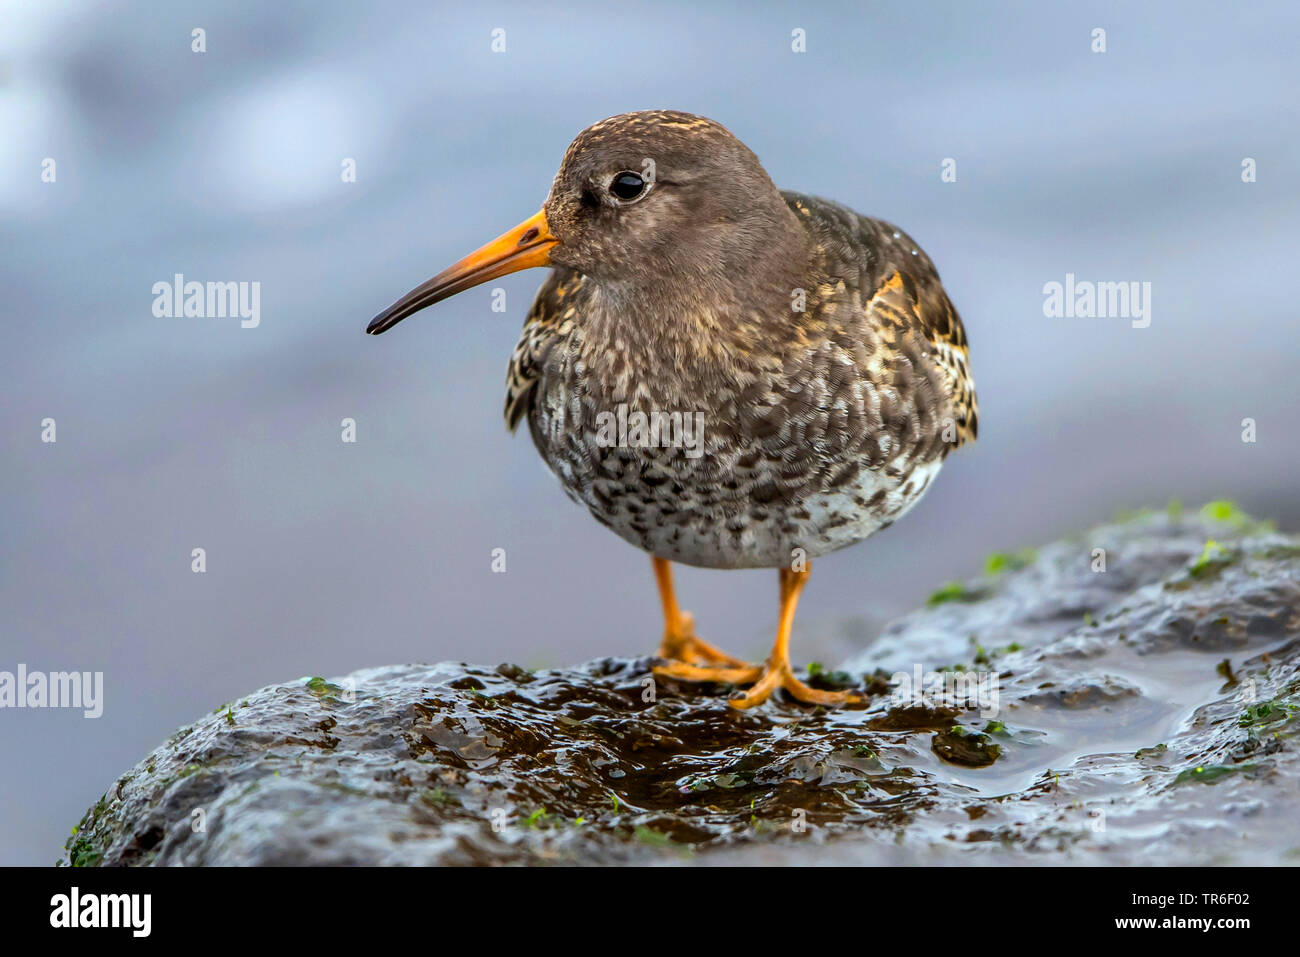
{"x": 627, "y": 186}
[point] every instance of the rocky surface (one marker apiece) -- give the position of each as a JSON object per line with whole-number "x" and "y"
{"x": 1127, "y": 696}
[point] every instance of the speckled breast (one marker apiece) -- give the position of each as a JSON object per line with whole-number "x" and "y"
{"x": 711, "y": 483}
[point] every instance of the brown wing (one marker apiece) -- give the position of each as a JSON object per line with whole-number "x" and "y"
{"x": 916, "y": 300}
{"x": 900, "y": 290}
{"x": 549, "y": 320}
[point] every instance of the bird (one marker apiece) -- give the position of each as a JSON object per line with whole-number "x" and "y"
{"x": 727, "y": 375}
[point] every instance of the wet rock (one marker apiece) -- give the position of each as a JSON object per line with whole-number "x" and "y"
{"x": 1132, "y": 695}
{"x": 974, "y": 749}
{"x": 1084, "y": 691}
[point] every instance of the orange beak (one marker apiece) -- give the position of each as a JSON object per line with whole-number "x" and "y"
{"x": 528, "y": 244}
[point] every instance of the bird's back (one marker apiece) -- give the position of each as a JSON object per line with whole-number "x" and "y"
{"x": 892, "y": 286}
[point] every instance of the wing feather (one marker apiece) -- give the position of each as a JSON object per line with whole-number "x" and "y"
{"x": 548, "y": 320}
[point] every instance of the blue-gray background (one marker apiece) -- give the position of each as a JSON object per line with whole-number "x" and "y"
{"x": 324, "y": 557}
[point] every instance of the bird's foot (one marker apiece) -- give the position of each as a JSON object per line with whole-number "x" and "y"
{"x": 780, "y": 675}
{"x": 692, "y": 659}
{"x": 682, "y": 646}
{"x": 765, "y": 679}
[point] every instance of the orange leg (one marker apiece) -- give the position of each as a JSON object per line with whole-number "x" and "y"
{"x": 774, "y": 673}
{"x": 680, "y": 644}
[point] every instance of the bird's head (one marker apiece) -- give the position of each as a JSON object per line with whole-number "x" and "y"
{"x": 655, "y": 199}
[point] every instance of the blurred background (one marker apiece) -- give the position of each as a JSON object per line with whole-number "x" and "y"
{"x": 323, "y": 557}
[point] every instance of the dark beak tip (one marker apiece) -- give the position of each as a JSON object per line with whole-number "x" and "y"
{"x": 526, "y": 245}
